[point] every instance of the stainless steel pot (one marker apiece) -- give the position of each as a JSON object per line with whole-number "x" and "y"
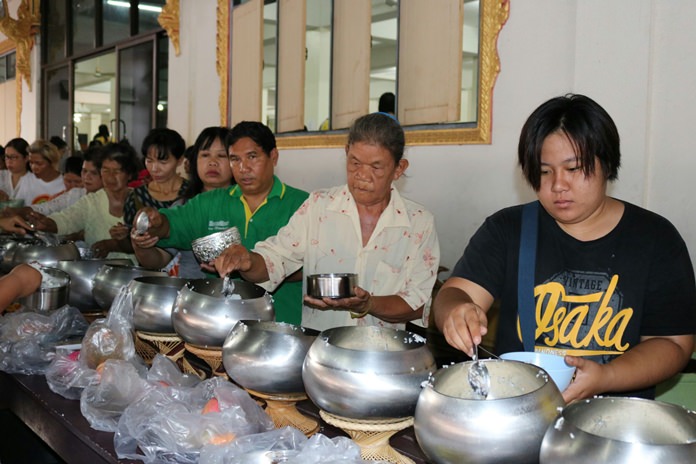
{"x": 367, "y": 372}
{"x": 203, "y": 316}
{"x": 454, "y": 425}
{"x": 267, "y": 356}
{"x": 153, "y": 299}
{"x": 621, "y": 431}
{"x": 331, "y": 285}
{"x": 111, "y": 277}
{"x": 82, "y": 273}
{"x": 49, "y": 296}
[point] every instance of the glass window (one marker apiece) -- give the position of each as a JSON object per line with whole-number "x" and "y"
{"x": 95, "y": 89}
{"x": 83, "y": 16}
{"x": 136, "y": 92}
{"x": 270, "y": 66}
{"x": 3, "y": 69}
{"x": 11, "y": 65}
{"x": 116, "y": 20}
{"x": 318, "y": 65}
{"x": 57, "y": 104}
{"x": 148, "y": 11}
{"x": 55, "y": 30}
{"x": 383, "y": 53}
{"x": 162, "y": 81}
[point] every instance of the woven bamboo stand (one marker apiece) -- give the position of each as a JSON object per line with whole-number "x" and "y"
{"x": 281, "y": 408}
{"x": 211, "y": 356}
{"x": 148, "y": 345}
{"x": 372, "y": 436}
{"x": 91, "y": 316}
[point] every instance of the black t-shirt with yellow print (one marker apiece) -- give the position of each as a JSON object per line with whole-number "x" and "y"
{"x": 593, "y": 299}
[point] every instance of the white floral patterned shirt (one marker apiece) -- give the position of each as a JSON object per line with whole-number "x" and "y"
{"x": 401, "y": 258}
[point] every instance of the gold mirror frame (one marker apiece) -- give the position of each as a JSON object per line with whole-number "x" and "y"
{"x": 494, "y": 14}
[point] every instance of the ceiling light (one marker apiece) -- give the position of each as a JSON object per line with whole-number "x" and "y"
{"x": 141, "y": 6}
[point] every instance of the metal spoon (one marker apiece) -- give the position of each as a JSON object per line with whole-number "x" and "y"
{"x": 227, "y": 286}
{"x": 142, "y": 223}
{"x": 479, "y": 378}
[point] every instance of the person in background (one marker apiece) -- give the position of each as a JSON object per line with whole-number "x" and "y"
{"x": 62, "y": 149}
{"x": 365, "y": 227}
{"x": 45, "y": 180}
{"x": 387, "y": 103}
{"x": 17, "y": 162}
{"x": 209, "y": 169}
{"x": 97, "y": 213}
{"x": 3, "y": 166}
{"x": 614, "y": 287}
{"x": 258, "y": 206}
{"x": 102, "y": 136}
{"x": 90, "y": 181}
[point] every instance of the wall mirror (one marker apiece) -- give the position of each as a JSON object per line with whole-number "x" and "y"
{"x": 309, "y": 67}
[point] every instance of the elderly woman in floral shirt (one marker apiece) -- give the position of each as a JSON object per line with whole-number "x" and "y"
{"x": 364, "y": 227}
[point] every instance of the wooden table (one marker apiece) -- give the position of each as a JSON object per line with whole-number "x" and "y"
{"x": 60, "y": 424}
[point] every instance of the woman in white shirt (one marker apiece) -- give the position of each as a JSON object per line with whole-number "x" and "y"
{"x": 17, "y": 167}
{"x": 45, "y": 180}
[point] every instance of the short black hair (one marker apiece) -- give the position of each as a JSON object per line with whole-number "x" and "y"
{"x": 256, "y": 131}
{"x": 58, "y": 142}
{"x": 586, "y": 124}
{"x": 166, "y": 141}
{"x": 387, "y": 103}
{"x": 73, "y": 164}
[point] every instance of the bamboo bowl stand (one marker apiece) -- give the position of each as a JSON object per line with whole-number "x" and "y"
{"x": 211, "y": 356}
{"x": 148, "y": 345}
{"x": 282, "y": 410}
{"x": 372, "y": 435}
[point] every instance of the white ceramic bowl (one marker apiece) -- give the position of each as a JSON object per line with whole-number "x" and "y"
{"x": 555, "y": 365}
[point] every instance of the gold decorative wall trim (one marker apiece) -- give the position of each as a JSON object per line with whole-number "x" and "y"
{"x": 169, "y": 20}
{"x": 222, "y": 57}
{"x": 21, "y": 33}
{"x": 6, "y": 46}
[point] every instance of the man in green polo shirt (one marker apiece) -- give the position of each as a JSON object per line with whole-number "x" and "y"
{"x": 258, "y": 206}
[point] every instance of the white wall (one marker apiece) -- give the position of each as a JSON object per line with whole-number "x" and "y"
{"x": 629, "y": 55}
{"x": 635, "y": 57}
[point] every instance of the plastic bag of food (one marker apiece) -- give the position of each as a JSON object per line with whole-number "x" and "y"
{"x": 173, "y": 424}
{"x": 67, "y": 377}
{"x": 28, "y": 339}
{"x": 287, "y": 445}
{"x": 110, "y": 338}
{"x": 164, "y": 372}
{"x": 120, "y": 383}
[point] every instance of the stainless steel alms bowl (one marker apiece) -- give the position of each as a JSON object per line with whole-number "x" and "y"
{"x": 30, "y": 250}
{"x": 367, "y": 372}
{"x": 453, "y": 425}
{"x": 82, "y": 273}
{"x": 331, "y": 285}
{"x": 267, "y": 356}
{"x": 621, "y": 431}
{"x": 207, "y": 248}
{"x": 53, "y": 293}
{"x": 153, "y": 300}
{"x": 111, "y": 277}
{"x": 203, "y": 316}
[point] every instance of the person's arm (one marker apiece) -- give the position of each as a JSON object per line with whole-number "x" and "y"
{"x": 251, "y": 265}
{"x": 21, "y": 281}
{"x": 650, "y": 362}
{"x": 460, "y": 309}
{"x": 14, "y": 225}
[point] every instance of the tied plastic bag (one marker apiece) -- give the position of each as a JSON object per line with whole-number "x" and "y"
{"x": 119, "y": 384}
{"x": 173, "y": 424}
{"x": 67, "y": 377}
{"x": 111, "y": 338}
{"x": 287, "y": 445}
{"x": 28, "y": 339}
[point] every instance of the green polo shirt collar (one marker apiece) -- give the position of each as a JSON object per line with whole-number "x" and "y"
{"x": 278, "y": 190}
